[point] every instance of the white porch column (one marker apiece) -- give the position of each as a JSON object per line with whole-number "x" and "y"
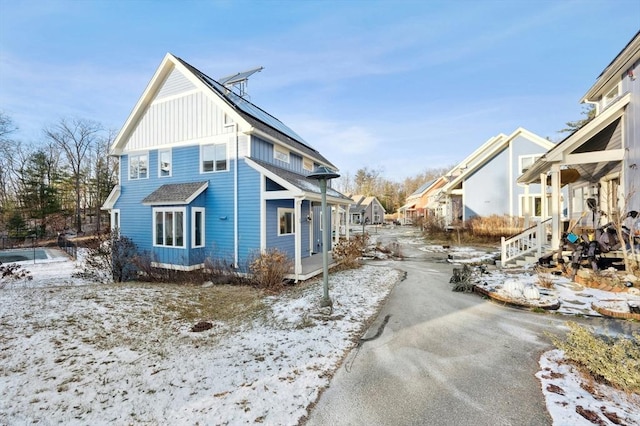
{"x": 527, "y": 207}
{"x": 299, "y": 220}
{"x": 555, "y": 206}
{"x": 335, "y": 220}
{"x": 347, "y": 221}
{"x": 543, "y": 192}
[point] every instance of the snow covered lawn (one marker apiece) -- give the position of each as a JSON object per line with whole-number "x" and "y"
{"x": 120, "y": 354}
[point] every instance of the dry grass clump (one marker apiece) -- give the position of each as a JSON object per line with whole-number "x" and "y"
{"x": 495, "y": 226}
{"x": 348, "y": 252}
{"x": 545, "y": 280}
{"x": 614, "y": 360}
{"x": 223, "y": 303}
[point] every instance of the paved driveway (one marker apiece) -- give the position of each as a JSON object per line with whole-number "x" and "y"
{"x": 444, "y": 358}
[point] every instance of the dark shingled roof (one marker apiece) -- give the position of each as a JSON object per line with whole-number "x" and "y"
{"x": 259, "y": 118}
{"x": 176, "y": 193}
{"x": 300, "y": 181}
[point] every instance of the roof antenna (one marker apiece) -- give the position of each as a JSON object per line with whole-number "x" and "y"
{"x": 238, "y": 81}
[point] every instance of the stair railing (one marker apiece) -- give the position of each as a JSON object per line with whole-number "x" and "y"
{"x": 528, "y": 241}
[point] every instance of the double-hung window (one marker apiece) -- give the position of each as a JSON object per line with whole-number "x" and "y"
{"x": 168, "y": 226}
{"x": 164, "y": 163}
{"x": 138, "y": 166}
{"x": 286, "y": 222}
{"x": 213, "y": 157}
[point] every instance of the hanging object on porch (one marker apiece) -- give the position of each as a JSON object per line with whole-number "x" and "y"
{"x": 567, "y": 176}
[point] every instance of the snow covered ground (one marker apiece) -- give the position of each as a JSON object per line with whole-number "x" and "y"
{"x": 73, "y": 352}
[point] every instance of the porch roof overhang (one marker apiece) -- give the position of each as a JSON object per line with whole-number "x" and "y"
{"x": 408, "y": 206}
{"x": 175, "y": 194}
{"x": 561, "y": 154}
{"x": 297, "y": 185}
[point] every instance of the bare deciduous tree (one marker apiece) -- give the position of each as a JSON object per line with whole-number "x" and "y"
{"x": 75, "y": 137}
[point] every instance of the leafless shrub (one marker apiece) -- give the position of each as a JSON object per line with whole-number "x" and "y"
{"x": 13, "y": 272}
{"x": 110, "y": 259}
{"x": 348, "y": 252}
{"x": 544, "y": 279}
{"x": 269, "y": 268}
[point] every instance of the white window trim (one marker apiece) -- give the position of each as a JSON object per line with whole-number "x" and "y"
{"x": 226, "y": 150}
{"x": 137, "y": 154}
{"x": 115, "y": 224}
{"x": 285, "y": 156}
{"x": 184, "y": 225}
{"x": 535, "y": 158}
{"x": 160, "y": 151}
{"x": 281, "y": 211}
{"x": 532, "y": 198}
{"x": 194, "y": 210}
{"x": 608, "y": 100}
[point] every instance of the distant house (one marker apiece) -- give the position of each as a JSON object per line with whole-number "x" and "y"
{"x": 367, "y": 209}
{"x": 600, "y": 162}
{"x": 422, "y": 202}
{"x": 485, "y": 183}
{"x": 206, "y": 173}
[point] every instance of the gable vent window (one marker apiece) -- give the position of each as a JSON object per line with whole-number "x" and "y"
{"x": 307, "y": 165}
{"x": 527, "y": 161}
{"x": 280, "y": 154}
{"x": 138, "y": 166}
{"x": 611, "y": 96}
{"x": 213, "y": 158}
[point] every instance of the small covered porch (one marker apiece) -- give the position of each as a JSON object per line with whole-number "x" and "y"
{"x": 590, "y": 164}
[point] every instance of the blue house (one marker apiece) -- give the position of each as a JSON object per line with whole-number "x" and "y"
{"x": 204, "y": 173}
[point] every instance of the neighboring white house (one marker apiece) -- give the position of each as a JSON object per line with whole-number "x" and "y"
{"x": 485, "y": 183}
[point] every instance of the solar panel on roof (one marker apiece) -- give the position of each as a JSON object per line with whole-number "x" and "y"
{"x": 237, "y": 77}
{"x": 254, "y": 111}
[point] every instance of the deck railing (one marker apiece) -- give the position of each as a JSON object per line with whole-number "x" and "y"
{"x": 531, "y": 240}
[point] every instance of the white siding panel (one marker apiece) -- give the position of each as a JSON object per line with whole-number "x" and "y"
{"x": 178, "y": 119}
{"x": 243, "y": 146}
{"x": 175, "y": 84}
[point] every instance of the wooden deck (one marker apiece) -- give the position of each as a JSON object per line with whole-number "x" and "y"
{"x": 311, "y": 266}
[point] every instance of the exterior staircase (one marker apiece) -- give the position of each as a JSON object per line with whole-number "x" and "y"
{"x": 526, "y": 247}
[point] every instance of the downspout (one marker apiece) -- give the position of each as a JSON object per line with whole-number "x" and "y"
{"x": 235, "y": 200}
{"x": 297, "y": 213}
{"x": 511, "y": 180}
{"x": 555, "y": 206}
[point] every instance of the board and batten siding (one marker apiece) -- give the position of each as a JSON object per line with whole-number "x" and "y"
{"x": 263, "y": 150}
{"x": 179, "y": 113}
{"x": 174, "y": 84}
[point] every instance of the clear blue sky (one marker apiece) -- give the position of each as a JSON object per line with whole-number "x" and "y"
{"x": 398, "y": 86}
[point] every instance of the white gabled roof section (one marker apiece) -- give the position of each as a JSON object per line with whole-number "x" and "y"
{"x": 112, "y": 198}
{"x": 170, "y": 64}
{"x": 489, "y": 150}
{"x": 625, "y": 59}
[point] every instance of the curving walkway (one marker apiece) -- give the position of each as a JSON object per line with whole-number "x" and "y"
{"x": 444, "y": 358}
